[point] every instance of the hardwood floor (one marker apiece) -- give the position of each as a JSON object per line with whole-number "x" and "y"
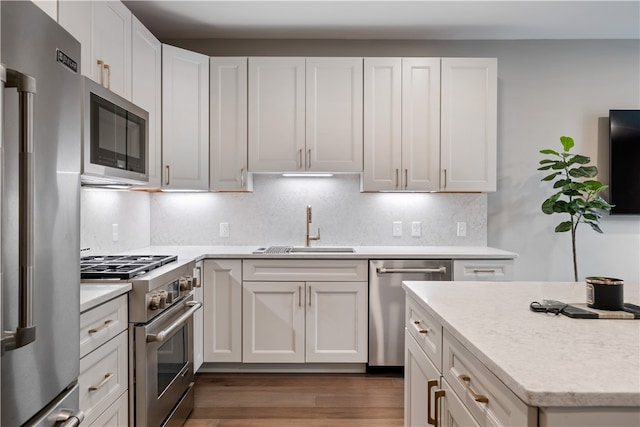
{"x": 288, "y": 400}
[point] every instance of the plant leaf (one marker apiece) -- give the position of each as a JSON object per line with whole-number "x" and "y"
{"x": 544, "y": 168}
{"x": 563, "y": 226}
{"x": 567, "y": 142}
{"x": 550, "y": 177}
{"x": 582, "y": 160}
{"x": 547, "y": 206}
{"x": 595, "y": 227}
{"x": 543, "y": 161}
{"x": 549, "y": 151}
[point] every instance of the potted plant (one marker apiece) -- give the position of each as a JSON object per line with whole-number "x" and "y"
{"x": 577, "y": 193}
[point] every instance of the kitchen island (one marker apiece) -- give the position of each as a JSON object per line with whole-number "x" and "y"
{"x": 560, "y": 371}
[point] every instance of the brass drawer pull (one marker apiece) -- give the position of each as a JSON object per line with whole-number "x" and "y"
{"x": 106, "y": 378}
{"x": 101, "y": 327}
{"x": 484, "y": 270}
{"x": 431, "y": 420}
{"x": 466, "y": 380}
{"x": 420, "y": 330}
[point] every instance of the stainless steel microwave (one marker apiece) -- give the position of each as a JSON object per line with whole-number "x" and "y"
{"x": 115, "y": 143}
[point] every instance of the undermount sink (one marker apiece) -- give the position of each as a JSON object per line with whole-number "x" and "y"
{"x": 302, "y": 249}
{"x": 322, "y": 249}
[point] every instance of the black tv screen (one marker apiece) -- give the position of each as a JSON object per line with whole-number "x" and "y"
{"x": 624, "y": 161}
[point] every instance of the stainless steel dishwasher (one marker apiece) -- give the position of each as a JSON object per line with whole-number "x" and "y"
{"x": 386, "y": 304}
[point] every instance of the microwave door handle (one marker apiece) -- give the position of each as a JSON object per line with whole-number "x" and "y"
{"x": 26, "y": 330}
{"x": 164, "y": 334}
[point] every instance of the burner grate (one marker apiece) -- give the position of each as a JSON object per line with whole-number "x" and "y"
{"x": 121, "y": 267}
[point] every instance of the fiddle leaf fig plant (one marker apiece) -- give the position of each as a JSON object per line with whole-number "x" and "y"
{"x": 576, "y": 191}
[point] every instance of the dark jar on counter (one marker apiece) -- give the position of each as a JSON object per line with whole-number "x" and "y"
{"x": 605, "y": 293}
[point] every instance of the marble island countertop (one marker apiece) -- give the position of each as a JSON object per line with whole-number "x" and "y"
{"x": 546, "y": 360}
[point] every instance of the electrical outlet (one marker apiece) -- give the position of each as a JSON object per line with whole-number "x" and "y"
{"x": 462, "y": 229}
{"x": 397, "y": 229}
{"x": 416, "y": 229}
{"x": 114, "y": 232}
{"x": 224, "y": 229}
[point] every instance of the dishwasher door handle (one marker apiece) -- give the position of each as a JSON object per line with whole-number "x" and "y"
{"x": 384, "y": 270}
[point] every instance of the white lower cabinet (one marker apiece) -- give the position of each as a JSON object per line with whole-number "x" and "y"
{"x": 222, "y": 285}
{"x": 491, "y": 270}
{"x": 288, "y": 320}
{"x": 103, "y": 380}
{"x": 448, "y": 386}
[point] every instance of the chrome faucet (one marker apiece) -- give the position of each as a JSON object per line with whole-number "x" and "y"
{"x": 309, "y": 220}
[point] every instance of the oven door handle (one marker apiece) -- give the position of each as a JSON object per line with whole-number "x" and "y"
{"x": 164, "y": 334}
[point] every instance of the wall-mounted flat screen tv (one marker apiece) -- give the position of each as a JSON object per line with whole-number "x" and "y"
{"x": 624, "y": 161}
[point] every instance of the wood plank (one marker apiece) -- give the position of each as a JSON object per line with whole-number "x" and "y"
{"x": 314, "y": 400}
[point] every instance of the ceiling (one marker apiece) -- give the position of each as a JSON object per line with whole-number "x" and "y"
{"x": 396, "y": 20}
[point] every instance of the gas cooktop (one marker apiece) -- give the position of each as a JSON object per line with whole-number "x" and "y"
{"x": 121, "y": 267}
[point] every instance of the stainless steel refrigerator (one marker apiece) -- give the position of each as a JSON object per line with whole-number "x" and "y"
{"x": 40, "y": 216}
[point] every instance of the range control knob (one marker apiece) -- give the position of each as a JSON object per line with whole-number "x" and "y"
{"x": 186, "y": 284}
{"x": 163, "y": 299}
{"x": 154, "y": 301}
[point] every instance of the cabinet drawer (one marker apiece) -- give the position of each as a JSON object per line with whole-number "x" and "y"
{"x": 491, "y": 270}
{"x": 487, "y": 398}
{"x": 102, "y": 323}
{"x": 426, "y": 330}
{"x": 116, "y": 415}
{"x": 318, "y": 270}
{"x": 103, "y": 376}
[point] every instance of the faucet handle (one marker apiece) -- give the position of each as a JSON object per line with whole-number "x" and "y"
{"x": 309, "y": 214}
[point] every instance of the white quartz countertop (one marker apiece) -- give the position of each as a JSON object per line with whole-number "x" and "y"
{"x": 361, "y": 252}
{"x": 546, "y": 360}
{"x": 94, "y": 294}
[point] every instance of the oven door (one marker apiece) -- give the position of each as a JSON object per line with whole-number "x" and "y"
{"x": 163, "y": 362}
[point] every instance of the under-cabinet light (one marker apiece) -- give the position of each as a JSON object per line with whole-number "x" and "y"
{"x": 307, "y": 175}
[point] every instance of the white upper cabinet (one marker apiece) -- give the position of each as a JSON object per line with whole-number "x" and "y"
{"x": 430, "y": 124}
{"x": 146, "y": 91}
{"x": 104, "y": 31}
{"x": 185, "y": 119}
{"x": 276, "y": 114}
{"x": 420, "y": 124}
{"x": 334, "y": 114}
{"x": 469, "y": 122}
{"x": 382, "y": 124}
{"x": 228, "y": 125}
{"x": 305, "y": 114}
{"x": 402, "y": 124}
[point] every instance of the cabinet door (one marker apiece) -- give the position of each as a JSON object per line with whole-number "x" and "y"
{"x": 382, "y": 124}
{"x": 146, "y": 91}
{"x": 222, "y": 310}
{"x": 453, "y": 413}
{"x": 334, "y": 114}
{"x": 276, "y": 114}
{"x": 469, "y": 121}
{"x": 336, "y": 322}
{"x": 112, "y": 45}
{"x": 185, "y": 119}
{"x": 273, "y": 322}
{"x": 418, "y": 372}
{"x": 420, "y": 124}
{"x": 228, "y": 124}
{"x": 77, "y": 18}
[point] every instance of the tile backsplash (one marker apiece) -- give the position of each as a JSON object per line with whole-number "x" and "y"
{"x": 274, "y": 214}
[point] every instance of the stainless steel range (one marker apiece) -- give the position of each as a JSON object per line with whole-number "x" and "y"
{"x": 161, "y": 308}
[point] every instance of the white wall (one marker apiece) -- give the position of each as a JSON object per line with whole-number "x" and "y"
{"x": 546, "y": 89}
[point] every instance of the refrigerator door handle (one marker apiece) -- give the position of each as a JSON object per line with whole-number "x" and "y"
{"x": 26, "y": 330}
